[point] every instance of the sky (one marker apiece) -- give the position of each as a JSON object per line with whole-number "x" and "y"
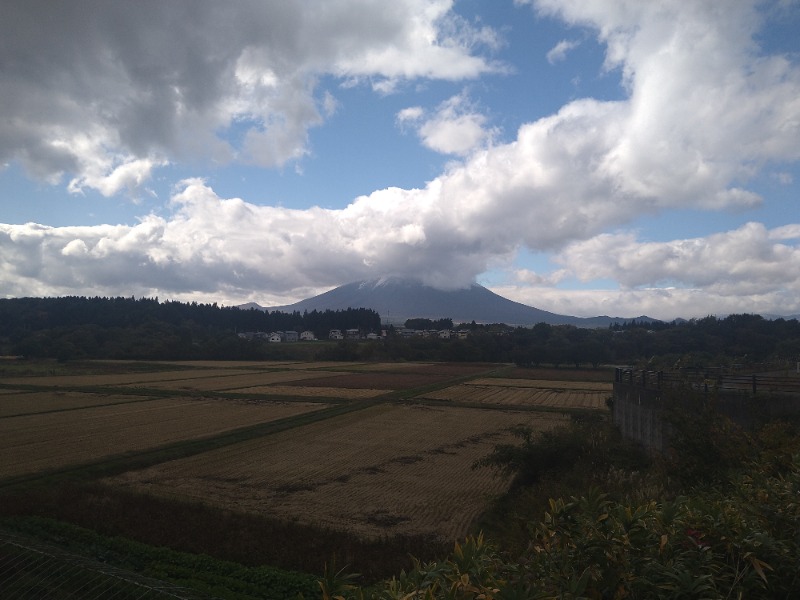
{"x": 613, "y": 157}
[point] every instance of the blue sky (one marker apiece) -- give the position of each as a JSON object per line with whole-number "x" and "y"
{"x": 614, "y": 157}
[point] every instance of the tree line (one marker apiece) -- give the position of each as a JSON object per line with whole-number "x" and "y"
{"x": 144, "y": 328}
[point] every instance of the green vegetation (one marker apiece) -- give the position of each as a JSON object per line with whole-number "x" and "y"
{"x": 222, "y": 579}
{"x": 74, "y": 328}
{"x": 126, "y": 328}
{"x": 730, "y": 536}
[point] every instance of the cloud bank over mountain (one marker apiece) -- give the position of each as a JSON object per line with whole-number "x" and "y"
{"x": 104, "y": 96}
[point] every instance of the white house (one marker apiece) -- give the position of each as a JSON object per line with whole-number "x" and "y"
{"x": 307, "y": 336}
{"x": 274, "y": 338}
{"x": 290, "y": 336}
{"x": 335, "y": 334}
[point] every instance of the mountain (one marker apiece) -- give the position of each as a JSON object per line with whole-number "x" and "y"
{"x": 397, "y": 300}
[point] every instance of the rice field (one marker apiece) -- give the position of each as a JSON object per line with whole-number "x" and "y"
{"x": 136, "y": 379}
{"x": 23, "y": 403}
{"x": 591, "y": 386}
{"x": 54, "y": 440}
{"x": 389, "y": 469}
{"x": 527, "y": 392}
{"x": 312, "y": 392}
{"x": 523, "y": 396}
{"x": 392, "y": 465}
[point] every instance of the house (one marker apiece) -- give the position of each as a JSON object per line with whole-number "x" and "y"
{"x": 307, "y": 336}
{"x": 444, "y": 334}
{"x": 373, "y": 336}
{"x": 290, "y": 336}
{"x": 335, "y": 334}
{"x": 352, "y": 334}
{"x": 274, "y": 338}
{"x": 462, "y": 334}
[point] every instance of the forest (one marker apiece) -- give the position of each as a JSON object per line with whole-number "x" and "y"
{"x": 128, "y": 328}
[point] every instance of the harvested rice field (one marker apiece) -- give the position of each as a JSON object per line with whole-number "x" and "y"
{"x": 392, "y": 456}
{"x": 530, "y": 396}
{"x": 54, "y": 440}
{"x": 587, "y": 386}
{"x": 135, "y": 379}
{"x": 22, "y": 403}
{"x": 389, "y": 469}
{"x": 312, "y": 392}
{"x": 217, "y": 382}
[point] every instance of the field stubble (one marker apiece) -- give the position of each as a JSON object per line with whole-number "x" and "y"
{"x": 52, "y": 440}
{"x": 387, "y": 469}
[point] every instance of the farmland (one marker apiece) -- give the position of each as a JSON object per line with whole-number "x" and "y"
{"x": 370, "y": 449}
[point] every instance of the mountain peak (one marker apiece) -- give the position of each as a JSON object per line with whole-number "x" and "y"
{"x": 398, "y": 299}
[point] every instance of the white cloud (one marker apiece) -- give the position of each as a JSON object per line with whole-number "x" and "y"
{"x": 705, "y": 113}
{"x": 105, "y": 92}
{"x": 745, "y": 262}
{"x": 660, "y": 303}
{"x": 454, "y": 128}
{"x": 559, "y": 52}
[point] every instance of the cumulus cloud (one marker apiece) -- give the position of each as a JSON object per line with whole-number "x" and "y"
{"x": 103, "y": 92}
{"x": 705, "y": 112}
{"x": 659, "y": 303}
{"x": 748, "y": 260}
{"x": 455, "y": 127}
{"x": 559, "y": 52}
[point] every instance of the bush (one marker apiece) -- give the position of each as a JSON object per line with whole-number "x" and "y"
{"x": 740, "y": 544}
{"x": 590, "y": 448}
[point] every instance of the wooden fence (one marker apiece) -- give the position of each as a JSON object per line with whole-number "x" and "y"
{"x": 640, "y": 397}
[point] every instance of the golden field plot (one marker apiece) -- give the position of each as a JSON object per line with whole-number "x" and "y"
{"x": 388, "y": 469}
{"x": 560, "y": 374}
{"x": 329, "y": 364}
{"x": 593, "y": 386}
{"x": 398, "y": 366}
{"x": 140, "y": 379}
{"x": 22, "y": 403}
{"x": 525, "y": 392}
{"x": 312, "y": 392}
{"x": 217, "y": 382}
{"x": 33, "y": 443}
{"x": 228, "y": 364}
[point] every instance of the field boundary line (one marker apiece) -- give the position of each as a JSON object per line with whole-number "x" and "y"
{"x": 156, "y": 393}
{"x": 73, "y": 408}
{"x": 404, "y": 395}
{"x": 119, "y": 463}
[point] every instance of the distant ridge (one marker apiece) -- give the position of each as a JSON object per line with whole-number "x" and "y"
{"x": 397, "y": 300}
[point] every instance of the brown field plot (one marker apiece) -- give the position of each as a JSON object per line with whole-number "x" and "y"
{"x": 217, "y": 382}
{"x": 603, "y": 375}
{"x": 312, "y": 392}
{"x": 137, "y": 379}
{"x": 383, "y": 468}
{"x": 54, "y": 440}
{"x": 527, "y": 392}
{"x": 389, "y": 469}
{"x": 22, "y": 403}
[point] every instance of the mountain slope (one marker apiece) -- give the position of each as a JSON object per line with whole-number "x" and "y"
{"x": 397, "y": 300}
